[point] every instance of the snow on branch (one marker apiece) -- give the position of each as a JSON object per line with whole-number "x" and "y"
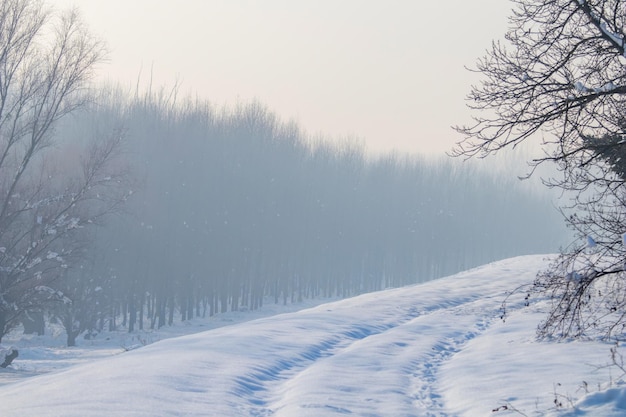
{"x": 617, "y": 39}
{"x": 53, "y": 293}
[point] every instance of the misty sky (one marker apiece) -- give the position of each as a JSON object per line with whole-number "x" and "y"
{"x": 390, "y": 73}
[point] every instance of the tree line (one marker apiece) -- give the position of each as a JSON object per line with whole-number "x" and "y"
{"x": 236, "y": 207}
{"x": 128, "y": 211}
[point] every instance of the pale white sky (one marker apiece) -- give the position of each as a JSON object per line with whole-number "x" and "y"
{"x": 390, "y": 72}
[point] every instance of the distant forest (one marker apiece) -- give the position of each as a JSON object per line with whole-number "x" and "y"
{"x": 233, "y": 207}
{"x": 130, "y": 210}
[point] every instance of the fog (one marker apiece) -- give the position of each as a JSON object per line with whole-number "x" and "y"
{"x": 392, "y": 73}
{"x": 233, "y": 207}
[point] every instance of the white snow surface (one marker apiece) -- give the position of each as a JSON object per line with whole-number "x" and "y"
{"x": 434, "y": 349}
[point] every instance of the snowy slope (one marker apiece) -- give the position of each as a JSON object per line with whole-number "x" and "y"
{"x": 435, "y": 349}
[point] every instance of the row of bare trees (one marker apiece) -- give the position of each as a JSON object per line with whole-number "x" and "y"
{"x": 227, "y": 207}
{"x": 237, "y": 208}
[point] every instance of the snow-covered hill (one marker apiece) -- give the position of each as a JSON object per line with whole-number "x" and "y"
{"x": 435, "y": 349}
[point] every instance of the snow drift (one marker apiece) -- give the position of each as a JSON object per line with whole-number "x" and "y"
{"x": 434, "y": 349}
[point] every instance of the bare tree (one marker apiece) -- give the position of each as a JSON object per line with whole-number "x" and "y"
{"x": 46, "y": 60}
{"x": 561, "y": 70}
{"x": 560, "y": 76}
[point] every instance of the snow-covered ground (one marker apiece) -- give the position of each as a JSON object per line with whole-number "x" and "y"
{"x": 435, "y": 349}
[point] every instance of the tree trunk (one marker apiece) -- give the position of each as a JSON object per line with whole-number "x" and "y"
{"x": 160, "y": 312}
{"x": 183, "y": 308}
{"x": 172, "y": 304}
{"x": 33, "y": 322}
{"x": 223, "y": 302}
{"x": 3, "y": 323}
{"x": 234, "y": 306}
{"x": 141, "y": 307}
{"x": 132, "y": 313}
{"x": 190, "y": 305}
{"x": 71, "y": 338}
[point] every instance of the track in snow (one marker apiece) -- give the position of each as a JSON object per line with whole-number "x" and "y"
{"x": 420, "y": 341}
{"x": 378, "y": 354}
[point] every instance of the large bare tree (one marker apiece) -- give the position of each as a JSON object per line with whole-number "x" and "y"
{"x": 559, "y": 78}
{"x": 559, "y": 70}
{"x": 47, "y": 197}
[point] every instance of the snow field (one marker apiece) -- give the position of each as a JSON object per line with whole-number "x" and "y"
{"x": 435, "y": 349}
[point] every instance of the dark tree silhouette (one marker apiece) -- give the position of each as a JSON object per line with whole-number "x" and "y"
{"x": 559, "y": 76}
